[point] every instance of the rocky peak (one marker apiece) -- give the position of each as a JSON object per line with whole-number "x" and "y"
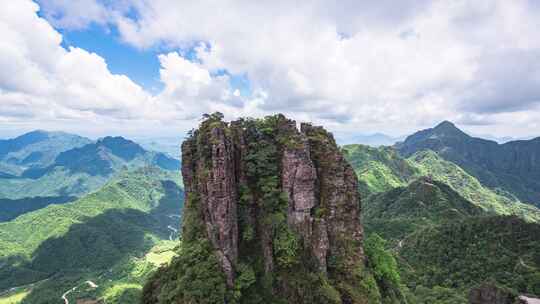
{"x": 277, "y": 209}
{"x": 447, "y": 128}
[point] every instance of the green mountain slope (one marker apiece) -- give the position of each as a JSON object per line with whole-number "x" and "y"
{"x": 423, "y": 203}
{"x": 382, "y": 169}
{"x": 10, "y": 209}
{"x": 499, "y": 202}
{"x": 462, "y": 254}
{"x": 106, "y": 235}
{"x": 441, "y": 224}
{"x": 35, "y": 149}
{"x": 379, "y": 169}
{"x": 512, "y": 167}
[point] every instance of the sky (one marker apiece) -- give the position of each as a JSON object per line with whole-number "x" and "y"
{"x": 144, "y": 68}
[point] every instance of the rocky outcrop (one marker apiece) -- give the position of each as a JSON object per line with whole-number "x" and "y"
{"x": 281, "y": 212}
{"x": 491, "y": 294}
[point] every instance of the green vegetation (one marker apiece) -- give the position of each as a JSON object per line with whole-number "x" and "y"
{"x": 78, "y": 171}
{"x": 14, "y": 297}
{"x": 430, "y": 163}
{"x": 379, "y": 169}
{"x": 441, "y": 225}
{"x": 108, "y": 237}
{"x": 459, "y": 255}
{"x": 10, "y": 209}
{"x": 385, "y": 269}
{"x": 382, "y": 169}
{"x": 423, "y": 203}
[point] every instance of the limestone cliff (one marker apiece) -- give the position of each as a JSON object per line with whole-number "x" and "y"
{"x": 272, "y": 215}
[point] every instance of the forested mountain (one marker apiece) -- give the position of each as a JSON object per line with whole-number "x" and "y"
{"x": 462, "y": 254}
{"x": 448, "y": 231}
{"x": 382, "y": 169}
{"x": 423, "y": 203}
{"x": 512, "y": 167}
{"x": 98, "y": 216}
{"x": 107, "y": 237}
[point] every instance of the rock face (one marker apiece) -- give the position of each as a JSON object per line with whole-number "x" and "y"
{"x": 490, "y": 294}
{"x": 273, "y": 212}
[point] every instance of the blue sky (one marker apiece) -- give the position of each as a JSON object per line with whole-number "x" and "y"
{"x": 141, "y": 65}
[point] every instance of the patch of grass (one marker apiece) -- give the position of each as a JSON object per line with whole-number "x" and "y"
{"x": 162, "y": 253}
{"x": 14, "y": 297}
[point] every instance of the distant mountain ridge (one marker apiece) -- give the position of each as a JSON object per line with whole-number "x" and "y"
{"x": 374, "y": 139}
{"x": 513, "y": 167}
{"x": 104, "y": 156}
{"x": 81, "y": 169}
{"x": 35, "y": 149}
{"x": 448, "y": 230}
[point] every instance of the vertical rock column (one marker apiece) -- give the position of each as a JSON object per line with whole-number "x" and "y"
{"x": 298, "y": 180}
{"x": 216, "y": 186}
{"x": 337, "y": 228}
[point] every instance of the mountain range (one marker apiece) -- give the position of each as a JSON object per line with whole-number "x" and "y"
{"x": 434, "y": 209}
{"x": 35, "y": 149}
{"x": 41, "y": 167}
{"x": 513, "y": 167}
{"x": 373, "y": 139}
{"x": 429, "y": 199}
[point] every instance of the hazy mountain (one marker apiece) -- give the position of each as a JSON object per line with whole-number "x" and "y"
{"x": 79, "y": 170}
{"x": 35, "y": 149}
{"x": 511, "y": 167}
{"x": 167, "y": 145}
{"x": 374, "y": 140}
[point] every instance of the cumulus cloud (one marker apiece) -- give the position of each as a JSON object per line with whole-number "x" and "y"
{"x": 42, "y": 82}
{"x": 41, "y": 77}
{"x": 386, "y": 65}
{"x": 363, "y": 64}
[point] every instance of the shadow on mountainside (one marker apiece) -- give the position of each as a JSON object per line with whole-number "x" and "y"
{"x": 12, "y": 208}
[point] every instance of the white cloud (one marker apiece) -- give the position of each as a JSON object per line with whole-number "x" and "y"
{"x": 366, "y": 65}
{"x": 38, "y": 76}
{"x": 43, "y": 83}
{"x": 385, "y": 66}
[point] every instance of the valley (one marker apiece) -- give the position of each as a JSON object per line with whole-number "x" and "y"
{"x": 112, "y": 231}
